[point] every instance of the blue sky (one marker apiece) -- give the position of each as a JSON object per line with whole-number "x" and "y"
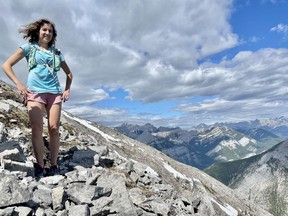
{"x": 165, "y": 62}
{"x": 255, "y": 21}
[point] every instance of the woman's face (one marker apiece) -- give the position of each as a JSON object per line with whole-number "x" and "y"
{"x": 45, "y": 33}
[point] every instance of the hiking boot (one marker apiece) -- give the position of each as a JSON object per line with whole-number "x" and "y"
{"x": 38, "y": 171}
{"x": 53, "y": 170}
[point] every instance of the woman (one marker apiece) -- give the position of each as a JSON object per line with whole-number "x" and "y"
{"x": 43, "y": 91}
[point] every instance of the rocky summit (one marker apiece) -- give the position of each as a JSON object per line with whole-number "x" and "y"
{"x": 102, "y": 172}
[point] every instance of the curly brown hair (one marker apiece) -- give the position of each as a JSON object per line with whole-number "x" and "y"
{"x": 31, "y": 31}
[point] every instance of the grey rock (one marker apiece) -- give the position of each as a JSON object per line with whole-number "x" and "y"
{"x": 58, "y": 198}
{"x": 84, "y": 158}
{"x": 49, "y": 212}
{"x": 23, "y": 211}
{"x": 137, "y": 196}
{"x": 119, "y": 194}
{"x": 100, "y": 150}
{"x": 11, "y": 192}
{"x": 40, "y": 212}
{"x": 62, "y": 213}
{"x": 157, "y": 206}
{"x": 11, "y": 165}
{"x": 43, "y": 196}
{"x": 101, "y": 206}
{"x": 4, "y": 106}
{"x": 11, "y": 150}
{"x": 81, "y": 193}
{"x": 78, "y": 175}
{"x": 52, "y": 180}
{"x": 96, "y": 159}
{"x": 126, "y": 167}
{"x": 7, "y": 211}
{"x": 77, "y": 210}
{"x": 2, "y": 134}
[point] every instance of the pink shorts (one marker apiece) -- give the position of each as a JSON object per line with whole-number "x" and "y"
{"x": 45, "y": 98}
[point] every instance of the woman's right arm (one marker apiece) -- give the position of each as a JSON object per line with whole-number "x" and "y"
{"x": 7, "y": 68}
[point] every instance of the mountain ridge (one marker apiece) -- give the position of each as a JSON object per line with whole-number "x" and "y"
{"x": 264, "y": 175}
{"x": 204, "y": 147}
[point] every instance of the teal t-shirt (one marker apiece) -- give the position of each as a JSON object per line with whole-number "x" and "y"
{"x": 42, "y": 77}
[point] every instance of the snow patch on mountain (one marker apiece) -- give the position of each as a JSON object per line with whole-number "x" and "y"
{"x": 162, "y": 134}
{"x": 88, "y": 125}
{"x": 221, "y": 158}
{"x": 176, "y": 173}
{"x": 245, "y": 141}
{"x": 152, "y": 172}
{"x": 215, "y": 150}
{"x": 229, "y": 210}
{"x": 250, "y": 155}
{"x": 232, "y": 144}
{"x": 214, "y": 133}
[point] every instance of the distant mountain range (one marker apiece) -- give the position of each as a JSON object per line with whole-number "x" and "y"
{"x": 277, "y": 126}
{"x": 204, "y": 145}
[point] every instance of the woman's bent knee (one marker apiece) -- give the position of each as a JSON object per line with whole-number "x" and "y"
{"x": 54, "y": 130}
